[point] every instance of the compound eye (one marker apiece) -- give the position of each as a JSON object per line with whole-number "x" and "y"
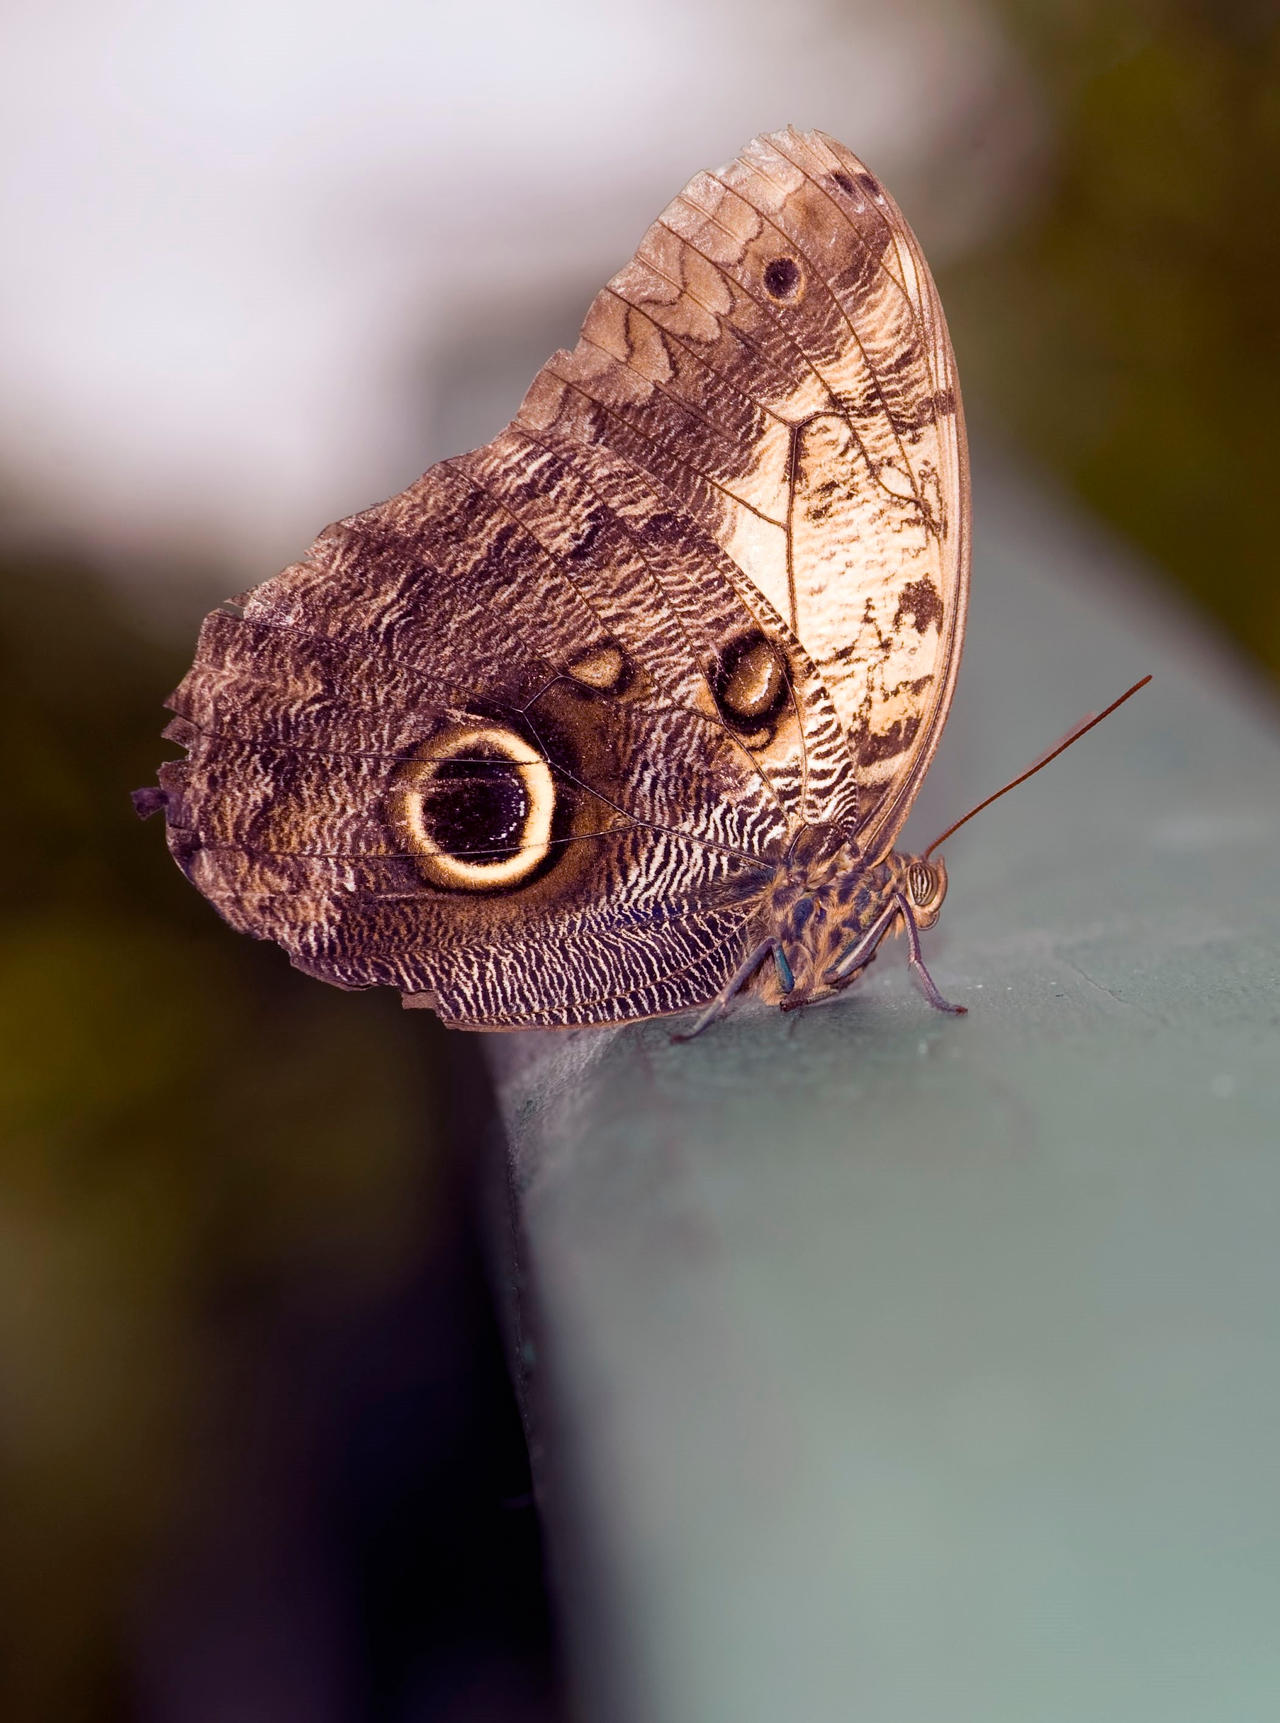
{"x": 922, "y": 884}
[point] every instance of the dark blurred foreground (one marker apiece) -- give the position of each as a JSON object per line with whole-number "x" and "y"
{"x": 258, "y": 1452}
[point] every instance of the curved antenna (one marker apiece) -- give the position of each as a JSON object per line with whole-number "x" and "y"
{"x": 1080, "y": 730}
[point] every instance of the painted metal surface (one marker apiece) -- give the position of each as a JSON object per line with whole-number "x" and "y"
{"x": 894, "y": 1367}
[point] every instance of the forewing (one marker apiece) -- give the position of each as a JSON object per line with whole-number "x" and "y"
{"x": 775, "y": 358}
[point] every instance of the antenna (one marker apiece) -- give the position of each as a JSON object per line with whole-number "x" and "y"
{"x": 1081, "y": 729}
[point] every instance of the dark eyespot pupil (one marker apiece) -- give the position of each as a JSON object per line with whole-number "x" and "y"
{"x": 782, "y": 277}
{"x": 477, "y": 808}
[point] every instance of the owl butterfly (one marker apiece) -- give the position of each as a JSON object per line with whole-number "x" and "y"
{"x": 622, "y": 712}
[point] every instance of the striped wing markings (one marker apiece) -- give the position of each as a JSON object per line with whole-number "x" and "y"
{"x": 388, "y": 947}
{"x": 359, "y": 932}
{"x": 627, "y": 821}
{"x": 518, "y": 499}
{"x": 742, "y": 887}
{"x": 841, "y": 798}
{"x": 519, "y": 638}
{"x": 789, "y": 231}
{"x": 716, "y": 943}
{"x": 187, "y": 732}
{"x": 812, "y": 362}
{"x": 637, "y": 500}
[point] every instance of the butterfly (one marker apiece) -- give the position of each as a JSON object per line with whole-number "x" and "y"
{"x": 622, "y": 713}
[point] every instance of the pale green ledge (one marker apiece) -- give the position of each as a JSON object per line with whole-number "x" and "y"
{"x": 882, "y": 1367}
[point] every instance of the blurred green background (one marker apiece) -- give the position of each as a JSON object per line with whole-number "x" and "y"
{"x": 229, "y": 1213}
{"x": 1126, "y": 334}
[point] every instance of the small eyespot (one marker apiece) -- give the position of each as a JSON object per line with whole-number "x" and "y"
{"x": 604, "y": 669}
{"x": 782, "y": 278}
{"x": 475, "y": 808}
{"x": 751, "y": 684}
{"x": 844, "y": 182}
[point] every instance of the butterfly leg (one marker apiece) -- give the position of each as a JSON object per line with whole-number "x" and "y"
{"x": 736, "y": 982}
{"x": 857, "y": 955}
{"x": 927, "y": 984}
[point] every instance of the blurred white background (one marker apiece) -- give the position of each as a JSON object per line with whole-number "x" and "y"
{"x": 268, "y": 259}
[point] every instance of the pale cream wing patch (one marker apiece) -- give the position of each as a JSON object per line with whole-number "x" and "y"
{"x": 880, "y": 502}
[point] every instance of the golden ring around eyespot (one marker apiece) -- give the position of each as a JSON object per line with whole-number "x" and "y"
{"x": 457, "y": 872}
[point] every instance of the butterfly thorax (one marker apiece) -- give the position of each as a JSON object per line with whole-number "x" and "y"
{"x": 829, "y": 907}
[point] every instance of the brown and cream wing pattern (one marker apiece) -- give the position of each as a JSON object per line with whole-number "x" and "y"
{"x": 775, "y": 356}
{"x": 529, "y": 740}
{"x": 443, "y": 648}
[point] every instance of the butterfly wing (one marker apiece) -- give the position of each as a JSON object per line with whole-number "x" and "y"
{"x": 480, "y": 745}
{"x": 776, "y": 355}
{"x": 528, "y": 740}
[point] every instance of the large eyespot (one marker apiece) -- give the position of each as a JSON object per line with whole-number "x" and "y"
{"x": 475, "y": 807}
{"x": 751, "y": 684}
